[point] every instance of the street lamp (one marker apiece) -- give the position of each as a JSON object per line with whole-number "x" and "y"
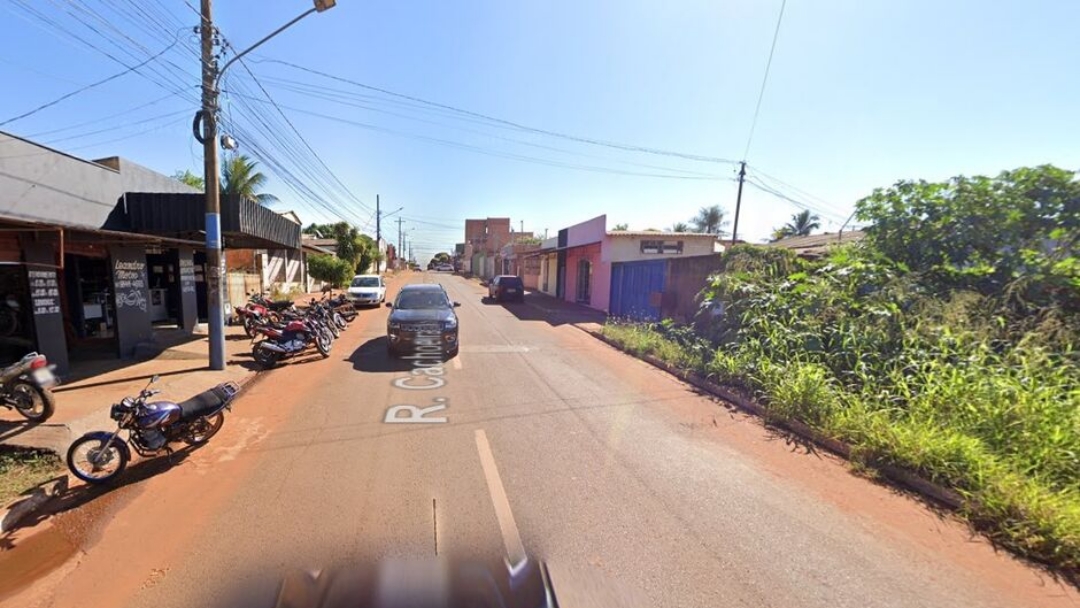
{"x": 207, "y": 116}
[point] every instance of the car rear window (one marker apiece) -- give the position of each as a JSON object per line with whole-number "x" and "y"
{"x": 509, "y": 282}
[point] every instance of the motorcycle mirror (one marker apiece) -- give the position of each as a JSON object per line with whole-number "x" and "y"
{"x": 155, "y": 378}
{"x": 389, "y": 304}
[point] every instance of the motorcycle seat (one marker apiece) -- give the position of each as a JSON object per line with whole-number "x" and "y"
{"x": 208, "y": 400}
{"x": 279, "y": 305}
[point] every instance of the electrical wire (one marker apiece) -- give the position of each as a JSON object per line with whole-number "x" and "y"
{"x": 87, "y": 87}
{"x": 765, "y": 78}
{"x": 508, "y": 123}
{"x": 336, "y": 97}
{"x": 488, "y": 152}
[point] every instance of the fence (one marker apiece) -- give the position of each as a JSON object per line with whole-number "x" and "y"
{"x": 684, "y": 280}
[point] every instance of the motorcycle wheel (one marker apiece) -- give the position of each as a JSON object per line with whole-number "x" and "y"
{"x": 340, "y": 321}
{"x": 265, "y": 357}
{"x": 333, "y": 328}
{"x": 324, "y": 342}
{"x": 36, "y": 404}
{"x": 90, "y": 461}
{"x": 249, "y": 327}
{"x": 203, "y": 428}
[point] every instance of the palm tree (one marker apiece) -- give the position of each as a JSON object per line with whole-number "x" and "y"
{"x": 801, "y": 224}
{"x": 710, "y": 220}
{"x": 240, "y": 178}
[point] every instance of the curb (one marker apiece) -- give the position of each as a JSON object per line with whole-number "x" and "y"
{"x": 41, "y": 496}
{"x": 902, "y": 477}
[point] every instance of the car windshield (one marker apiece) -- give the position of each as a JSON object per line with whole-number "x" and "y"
{"x": 421, "y": 299}
{"x": 365, "y": 282}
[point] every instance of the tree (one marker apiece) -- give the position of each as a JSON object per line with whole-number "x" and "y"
{"x": 621, "y": 227}
{"x": 442, "y": 257}
{"x": 330, "y": 269}
{"x": 239, "y": 177}
{"x": 189, "y": 178}
{"x": 801, "y": 224}
{"x": 710, "y": 220}
{"x": 680, "y": 227}
{"x": 367, "y": 253}
{"x": 1017, "y": 234}
{"x": 321, "y": 231}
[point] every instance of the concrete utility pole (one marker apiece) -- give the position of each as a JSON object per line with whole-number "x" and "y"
{"x": 207, "y": 116}
{"x": 738, "y": 203}
{"x": 398, "y": 252}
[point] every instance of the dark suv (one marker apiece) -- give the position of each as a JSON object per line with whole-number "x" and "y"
{"x": 422, "y": 320}
{"x": 506, "y": 287}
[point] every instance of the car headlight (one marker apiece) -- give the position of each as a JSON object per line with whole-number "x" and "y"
{"x": 450, "y": 324}
{"x": 393, "y": 326}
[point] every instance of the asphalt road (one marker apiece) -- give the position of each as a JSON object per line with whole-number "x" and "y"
{"x": 540, "y": 437}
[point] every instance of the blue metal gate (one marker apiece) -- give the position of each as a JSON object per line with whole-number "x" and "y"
{"x": 635, "y": 289}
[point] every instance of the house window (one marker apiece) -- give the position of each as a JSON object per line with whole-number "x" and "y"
{"x": 667, "y": 247}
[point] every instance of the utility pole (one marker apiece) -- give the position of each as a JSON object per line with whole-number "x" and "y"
{"x": 523, "y": 226}
{"x": 208, "y": 137}
{"x": 378, "y": 222}
{"x": 738, "y": 202}
{"x": 399, "y": 241}
{"x": 214, "y": 309}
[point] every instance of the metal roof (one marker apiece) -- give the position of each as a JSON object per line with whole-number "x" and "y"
{"x": 245, "y": 224}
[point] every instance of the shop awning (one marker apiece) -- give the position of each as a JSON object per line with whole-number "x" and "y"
{"x": 245, "y": 224}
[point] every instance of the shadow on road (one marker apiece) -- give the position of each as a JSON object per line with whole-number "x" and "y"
{"x": 79, "y": 386}
{"x": 371, "y": 356}
{"x": 540, "y": 307}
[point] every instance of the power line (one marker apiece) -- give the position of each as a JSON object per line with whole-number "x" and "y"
{"x": 341, "y": 97}
{"x": 332, "y": 175}
{"x": 509, "y": 123}
{"x": 488, "y": 152}
{"x": 87, "y": 87}
{"x": 765, "y": 78}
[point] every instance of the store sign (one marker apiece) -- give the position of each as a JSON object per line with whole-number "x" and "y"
{"x": 129, "y": 277}
{"x": 45, "y": 292}
{"x": 187, "y": 276}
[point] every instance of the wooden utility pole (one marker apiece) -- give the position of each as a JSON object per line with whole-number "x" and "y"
{"x": 738, "y": 203}
{"x": 214, "y": 309}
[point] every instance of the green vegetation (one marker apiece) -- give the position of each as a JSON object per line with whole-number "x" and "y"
{"x": 22, "y": 469}
{"x": 945, "y": 343}
{"x": 358, "y": 249}
{"x": 330, "y": 269}
{"x": 240, "y": 177}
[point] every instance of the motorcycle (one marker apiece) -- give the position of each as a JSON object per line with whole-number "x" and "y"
{"x": 24, "y": 387}
{"x": 255, "y": 313}
{"x": 100, "y": 456}
{"x": 291, "y": 339}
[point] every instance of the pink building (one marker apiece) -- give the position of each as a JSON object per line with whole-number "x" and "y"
{"x": 577, "y": 265}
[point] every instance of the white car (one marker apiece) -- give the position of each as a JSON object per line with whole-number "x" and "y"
{"x": 367, "y": 289}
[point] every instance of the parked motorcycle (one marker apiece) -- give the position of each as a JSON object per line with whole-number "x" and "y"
{"x": 254, "y": 314}
{"x": 100, "y": 456}
{"x": 24, "y": 387}
{"x": 293, "y": 338}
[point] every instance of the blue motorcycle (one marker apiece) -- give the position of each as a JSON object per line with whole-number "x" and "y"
{"x": 100, "y": 456}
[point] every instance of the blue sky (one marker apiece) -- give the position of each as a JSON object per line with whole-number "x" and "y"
{"x": 861, "y": 94}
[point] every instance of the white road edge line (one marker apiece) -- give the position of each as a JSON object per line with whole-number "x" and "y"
{"x": 515, "y": 549}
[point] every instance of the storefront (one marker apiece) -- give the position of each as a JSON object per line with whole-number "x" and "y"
{"x": 79, "y": 293}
